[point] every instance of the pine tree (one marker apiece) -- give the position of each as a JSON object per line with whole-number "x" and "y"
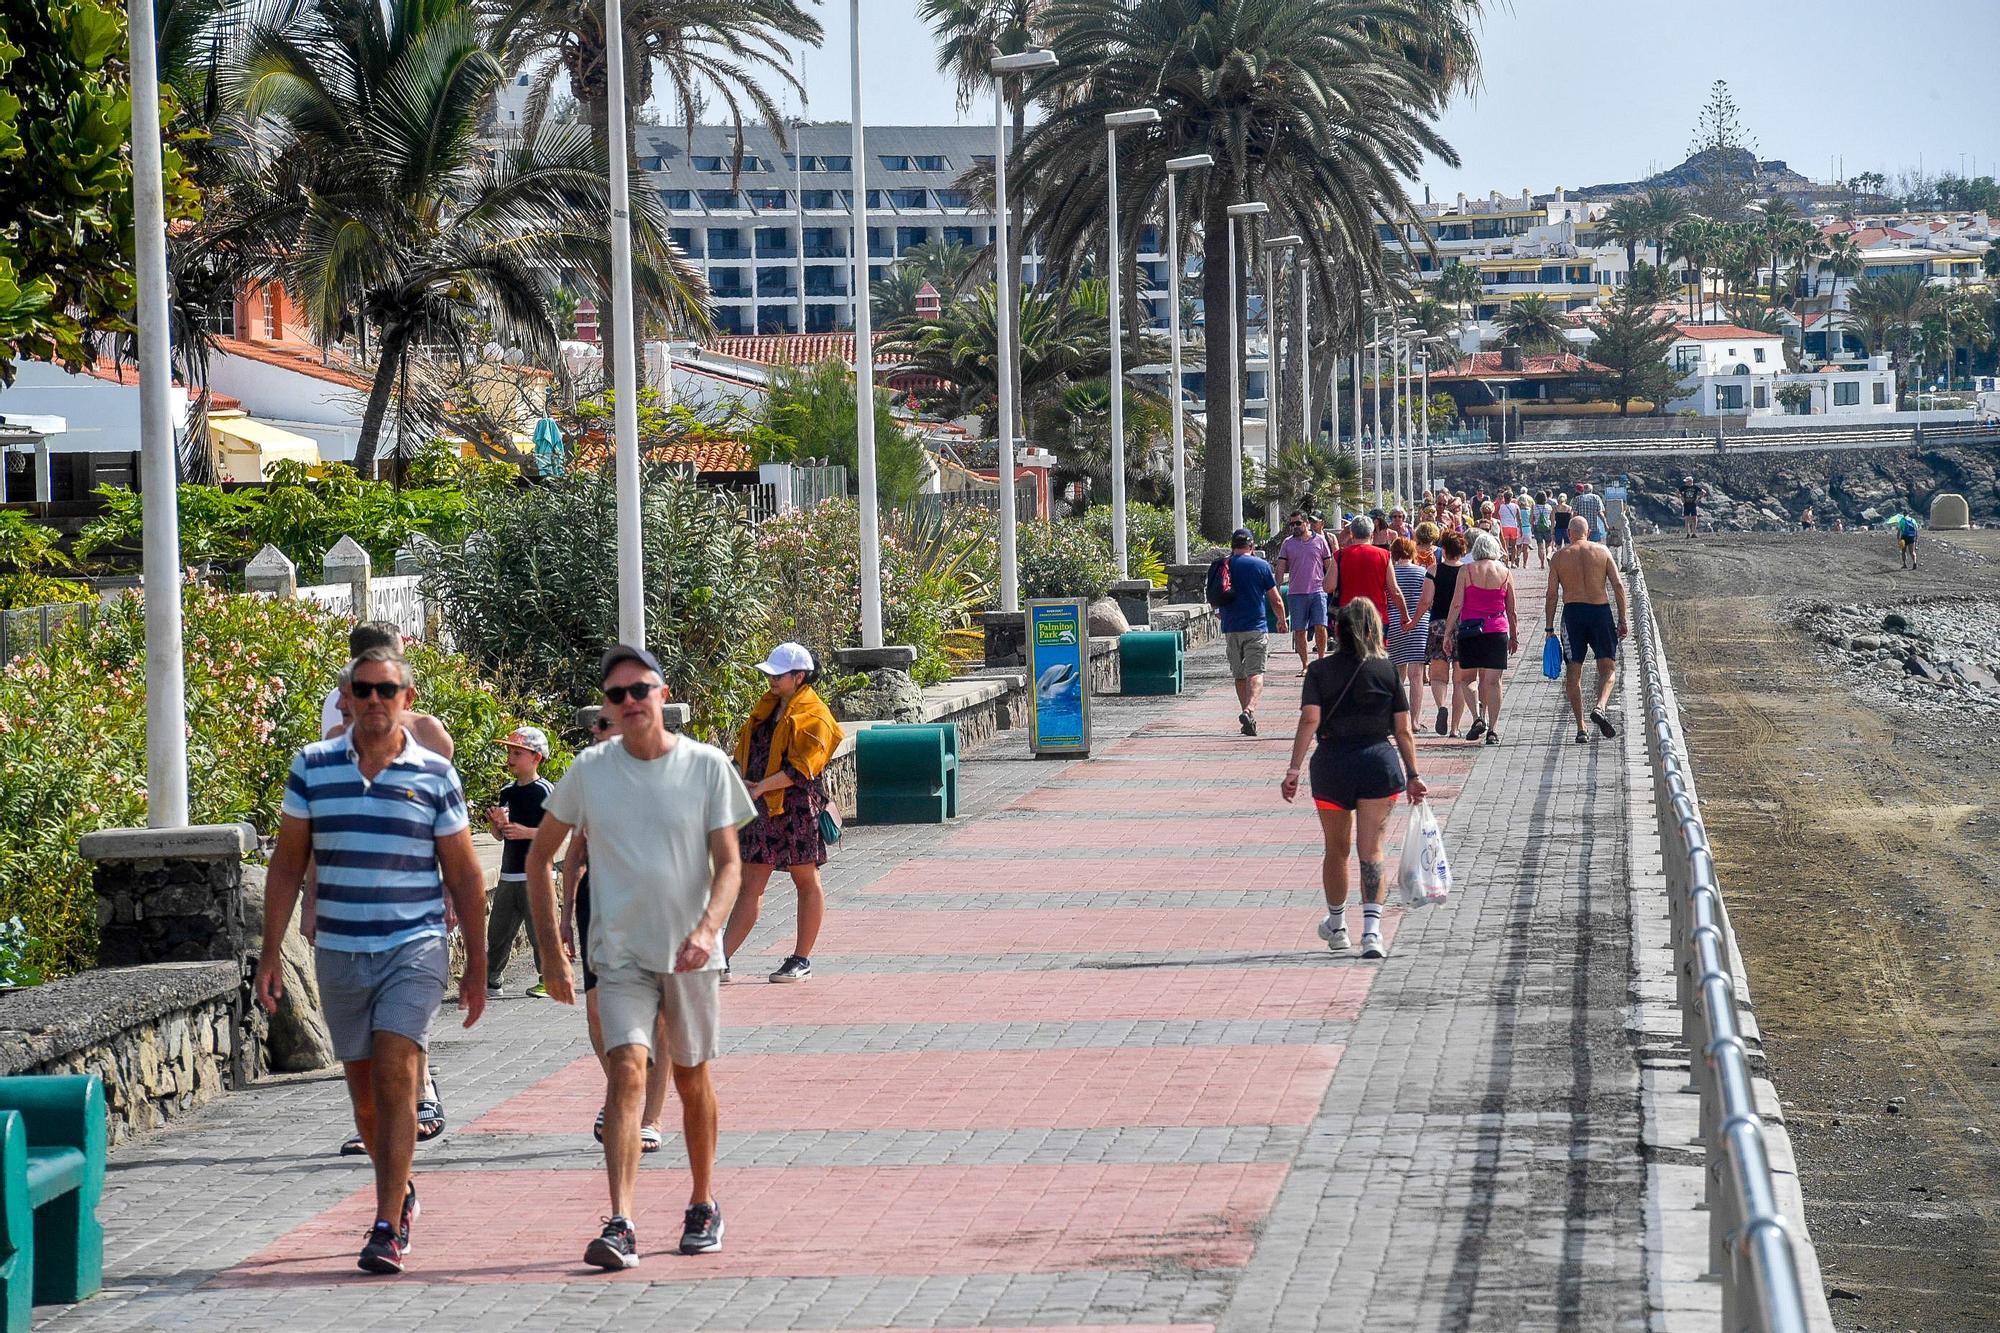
{"x": 1719, "y": 127}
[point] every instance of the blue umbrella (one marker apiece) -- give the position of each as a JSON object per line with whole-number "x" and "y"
{"x": 548, "y": 447}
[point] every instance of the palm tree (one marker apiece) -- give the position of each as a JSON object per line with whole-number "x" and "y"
{"x": 1534, "y": 323}
{"x": 1322, "y": 109}
{"x": 1062, "y": 335}
{"x": 892, "y": 299}
{"x": 969, "y": 34}
{"x": 405, "y": 217}
{"x": 1775, "y": 218}
{"x": 712, "y": 55}
{"x": 1889, "y": 310}
{"x": 1460, "y": 285}
{"x": 1628, "y": 223}
{"x": 944, "y": 264}
{"x": 1664, "y": 210}
{"x": 1694, "y": 243}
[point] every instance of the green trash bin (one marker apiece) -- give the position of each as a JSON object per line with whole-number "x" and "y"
{"x": 1151, "y": 661}
{"x": 906, "y": 773}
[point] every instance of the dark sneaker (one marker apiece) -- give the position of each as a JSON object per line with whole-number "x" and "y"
{"x": 701, "y": 1233}
{"x": 412, "y": 1210}
{"x": 494, "y": 990}
{"x": 1444, "y": 722}
{"x": 795, "y": 968}
{"x": 1603, "y": 723}
{"x": 616, "y": 1248}
{"x": 1246, "y": 724}
{"x": 384, "y": 1251}
{"x": 1476, "y": 730}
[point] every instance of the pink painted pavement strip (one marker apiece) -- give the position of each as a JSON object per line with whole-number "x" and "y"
{"x": 1084, "y": 874}
{"x": 1064, "y": 995}
{"x": 898, "y": 932}
{"x": 531, "y": 1226}
{"x": 1067, "y": 1088}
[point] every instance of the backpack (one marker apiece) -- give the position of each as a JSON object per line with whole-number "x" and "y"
{"x": 1220, "y": 591}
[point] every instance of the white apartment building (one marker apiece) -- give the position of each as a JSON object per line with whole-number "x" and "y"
{"x": 773, "y": 233}
{"x": 1518, "y": 245}
{"x": 1733, "y": 371}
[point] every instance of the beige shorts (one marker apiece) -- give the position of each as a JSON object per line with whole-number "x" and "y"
{"x": 631, "y": 999}
{"x": 1246, "y": 651}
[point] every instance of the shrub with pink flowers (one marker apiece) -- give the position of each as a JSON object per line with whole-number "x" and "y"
{"x": 73, "y": 739}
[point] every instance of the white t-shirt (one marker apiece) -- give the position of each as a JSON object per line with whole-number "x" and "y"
{"x": 648, "y": 822}
{"x": 1509, "y": 515}
{"x": 330, "y": 715}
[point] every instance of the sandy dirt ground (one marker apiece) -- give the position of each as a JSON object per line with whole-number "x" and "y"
{"x": 1860, "y": 853}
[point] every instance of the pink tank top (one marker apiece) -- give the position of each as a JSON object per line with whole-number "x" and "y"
{"x": 1487, "y": 604}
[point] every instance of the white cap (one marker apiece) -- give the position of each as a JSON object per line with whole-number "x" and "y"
{"x": 786, "y": 657}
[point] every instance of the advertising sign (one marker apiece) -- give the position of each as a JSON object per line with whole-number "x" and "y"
{"x": 1059, "y": 676}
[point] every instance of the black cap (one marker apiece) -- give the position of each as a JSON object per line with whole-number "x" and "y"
{"x": 1242, "y": 537}
{"x": 625, "y": 652}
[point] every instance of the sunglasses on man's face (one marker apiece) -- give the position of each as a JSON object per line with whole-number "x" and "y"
{"x": 381, "y": 689}
{"x": 617, "y": 693}
{"x": 602, "y": 724}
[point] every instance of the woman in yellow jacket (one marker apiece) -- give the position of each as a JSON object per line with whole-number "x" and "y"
{"x": 786, "y": 743}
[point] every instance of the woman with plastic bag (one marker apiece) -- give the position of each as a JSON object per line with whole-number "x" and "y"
{"x": 1354, "y": 704}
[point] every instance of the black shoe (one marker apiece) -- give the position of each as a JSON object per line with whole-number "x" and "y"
{"x": 701, "y": 1233}
{"x": 795, "y": 968}
{"x": 1444, "y": 722}
{"x": 1476, "y": 730}
{"x": 384, "y": 1251}
{"x": 1582, "y": 736}
{"x": 1492, "y": 735}
{"x": 411, "y": 1211}
{"x": 1248, "y": 723}
{"x": 616, "y": 1248}
{"x": 1603, "y": 723}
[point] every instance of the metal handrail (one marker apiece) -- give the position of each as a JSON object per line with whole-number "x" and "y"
{"x": 1771, "y": 441}
{"x": 1753, "y": 1248}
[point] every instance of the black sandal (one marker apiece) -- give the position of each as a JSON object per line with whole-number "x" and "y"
{"x": 354, "y": 1147}
{"x": 430, "y": 1114}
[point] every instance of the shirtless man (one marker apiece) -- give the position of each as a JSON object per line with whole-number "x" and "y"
{"x": 1581, "y": 571}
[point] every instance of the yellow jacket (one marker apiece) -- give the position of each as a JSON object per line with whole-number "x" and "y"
{"x": 806, "y": 737}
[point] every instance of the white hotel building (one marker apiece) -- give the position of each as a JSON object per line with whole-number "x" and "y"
{"x": 774, "y": 236}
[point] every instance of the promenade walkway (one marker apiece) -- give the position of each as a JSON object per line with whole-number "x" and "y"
{"x": 1077, "y": 1060}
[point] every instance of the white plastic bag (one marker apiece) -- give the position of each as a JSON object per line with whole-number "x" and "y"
{"x": 1424, "y": 873}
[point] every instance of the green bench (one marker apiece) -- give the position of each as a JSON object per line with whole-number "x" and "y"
{"x": 906, "y": 773}
{"x": 1152, "y": 661}
{"x": 52, "y": 1142}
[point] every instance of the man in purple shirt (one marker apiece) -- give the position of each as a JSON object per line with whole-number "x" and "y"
{"x": 1302, "y": 563}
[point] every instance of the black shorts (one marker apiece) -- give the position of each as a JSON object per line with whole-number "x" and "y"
{"x": 1482, "y": 652}
{"x": 1347, "y": 772}
{"x": 583, "y": 931}
{"x": 1590, "y": 625}
{"x": 1687, "y": 510}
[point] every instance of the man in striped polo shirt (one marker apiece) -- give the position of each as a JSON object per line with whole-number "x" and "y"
{"x": 385, "y": 820}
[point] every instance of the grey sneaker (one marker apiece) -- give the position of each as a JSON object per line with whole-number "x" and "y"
{"x": 1334, "y": 933}
{"x": 794, "y": 968}
{"x": 701, "y": 1231}
{"x": 1372, "y": 946}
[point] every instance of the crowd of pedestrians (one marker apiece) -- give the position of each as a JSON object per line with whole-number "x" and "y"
{"x": 639, "y": 871}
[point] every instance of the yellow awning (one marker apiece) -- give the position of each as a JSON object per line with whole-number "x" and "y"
{"x": 248, "y": 448}
{"x": 1509, "y": 265}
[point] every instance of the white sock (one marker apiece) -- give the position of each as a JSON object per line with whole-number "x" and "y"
{"x": 1337, "y": 916}
{"x": 1371, "y": 918}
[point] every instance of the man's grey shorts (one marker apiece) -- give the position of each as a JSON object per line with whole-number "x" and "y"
{"x": 1246, "y": 651}
{"x": 630, "y": 999}
{"x": 398, "y": 990}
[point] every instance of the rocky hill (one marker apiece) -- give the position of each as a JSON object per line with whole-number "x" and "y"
{"x": 1768, "y": 492}
{"x": 1769, "y": 176}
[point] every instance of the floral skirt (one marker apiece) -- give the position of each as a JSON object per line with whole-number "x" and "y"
{"x": 788, "y": 839}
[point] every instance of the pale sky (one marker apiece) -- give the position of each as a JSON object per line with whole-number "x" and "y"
{"x": 1586, "y": 91}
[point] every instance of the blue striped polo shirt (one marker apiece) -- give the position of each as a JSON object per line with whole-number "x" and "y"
{"x": 376, "y": 842}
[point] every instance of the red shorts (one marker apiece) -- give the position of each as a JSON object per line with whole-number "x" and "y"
{"x": 1346, "y": 810}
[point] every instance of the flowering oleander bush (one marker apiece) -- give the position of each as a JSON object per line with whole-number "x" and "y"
{"x": 73, "y": 739}
{"x": 1065, "y": 558}
{"x": 938, "y": 567}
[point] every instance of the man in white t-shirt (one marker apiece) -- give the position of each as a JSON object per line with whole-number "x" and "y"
{"x": 661, "y": 812}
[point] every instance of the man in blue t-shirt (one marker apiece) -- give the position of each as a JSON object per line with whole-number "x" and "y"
{"x": 1252, "y": 608}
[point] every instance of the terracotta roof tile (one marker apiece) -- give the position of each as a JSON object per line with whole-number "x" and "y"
{"x": 1716, "y": 332}
{"x": 300, "y": 358}
{"x": 795, "y": 349}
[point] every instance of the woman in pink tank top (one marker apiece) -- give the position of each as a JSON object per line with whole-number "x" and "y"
{"x": 1481, "y": 630}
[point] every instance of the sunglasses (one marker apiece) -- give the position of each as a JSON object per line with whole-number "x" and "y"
{"x": 381, "y": 689}
{"x": 602, "y": 724}
{"x": 617, "y": 693}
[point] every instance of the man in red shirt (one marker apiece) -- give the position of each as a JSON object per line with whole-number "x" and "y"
{"x": 1361, "y": 569}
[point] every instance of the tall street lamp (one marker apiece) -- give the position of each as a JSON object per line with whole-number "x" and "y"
{"x": 624, "y": 357}
{"x": 166, "y": 693}
{"x": 864, "y": 365}
{"x": 1176, "y": 165}
{"x": 1114, "y": 122}
{"x": 1367, "y": 296}
{"x": 1404, "y": 458}
{"x": 1274, "y": 378}
{"x": 1004, "y": 289}
{"x": 1235, "y": 211}
{"x": 798, "y": 124}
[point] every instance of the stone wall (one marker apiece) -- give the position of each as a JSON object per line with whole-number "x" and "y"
{"x": 165, "y": 1038}
{"x": 982, "y": 706}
